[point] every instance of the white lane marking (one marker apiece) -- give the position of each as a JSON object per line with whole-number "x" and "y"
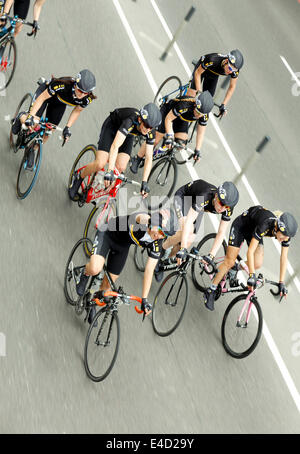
{"x": 154, "y": 43}
{"x": 294, "y": 77}
{"x": 269, "y": 339}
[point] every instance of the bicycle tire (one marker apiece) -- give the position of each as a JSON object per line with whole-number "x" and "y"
{"x": 14, "y": 140}
{"x": 12, "y": 43}
{"x": 139, "y": 258}
{"x": 166, "y": 164}
{"x": 71, "y": 295}
{"x": 113, "y": 322}
{"x": 196, "y": 264}
{"x": 25, "y": 173}
{"x": 87, "y": 149}
{"x": 111, "y": 211}
{"x": 162, "y": 324}
{"x": 225, "y": 337}
{"x": 174, "y": 84}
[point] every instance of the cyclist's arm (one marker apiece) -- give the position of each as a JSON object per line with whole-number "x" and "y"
{"x": 73, "y": 116}
{"x": 283, "y": 263}
{"x": 230, "y": 91}
{"x": 169, "y": 122}
{"x": 188, "y": 226}
{"x": 200, "y": 136}
{"x": 250, "y": 255}
{"x": 113, "y": 153}
{"x": 7, "y": 6}
{"x": 39, "y": 101}
{"x": 148, "y": 162}
{"x": 37, "y": 9}
{"x": 148, "y": 275}
{"x": 197, "y": 77}
{"x": 219, "y": 237}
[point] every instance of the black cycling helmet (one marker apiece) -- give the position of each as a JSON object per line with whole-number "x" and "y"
{"x": 204, "y": 102}
{"x": 166, "y": 221}
{"x": 151, "y": 115}
{"x": 86, "y": 81}
{"x": 236, "y": 58}
{"x": 228, "y": 194}
{"x": 287, "y": 224}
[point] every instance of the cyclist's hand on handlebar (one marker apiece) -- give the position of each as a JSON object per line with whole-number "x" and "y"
{"x": 209, "y": 259}
{"x": 283, "y": 291}
{"x": 35, "y": 27}
{"x": 109, "y": 178}
{"x": 252, "y": 281}
{"x": 66, "y": 134}
{"x": 181, "y": 255}
{"x": 222, "y": 110}
{"x": 197, "y": 155}
{"x": 168, "y": 140}
{"x": 145, "y": 189}
{"x": 29, "y": 122}
{"x": 146, "y": 307}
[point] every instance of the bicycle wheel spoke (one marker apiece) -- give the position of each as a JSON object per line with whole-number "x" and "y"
{"x": 169, "y": 304}
{"x": 102, "y": 345}
{"x": 241, "y": 327}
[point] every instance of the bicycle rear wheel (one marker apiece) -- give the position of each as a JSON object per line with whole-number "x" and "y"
{"x": 98, "y": 215}
{"x": 162, "y": 180}
{"x": 74, "y": 267}
{"x": 169, "y": 304}
{"x": 24, "y": 106}
{"x": 86, "y": 156}
{"x": 170, "y": 88}
{"x": 240, "y": 338}
{"x": 27, "y": 177}
{"x": 102, "y": 344}
{"x": 201, "y": 279}
{"x": 140, "y": 258}
{"x": 8, "y": 60}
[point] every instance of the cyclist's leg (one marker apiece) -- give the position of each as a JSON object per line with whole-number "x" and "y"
{"x": 209, "y": 82}
{"x": 21, "y": 8}
{"x": 124, "y": 153}
{"x": 54, "y": 113}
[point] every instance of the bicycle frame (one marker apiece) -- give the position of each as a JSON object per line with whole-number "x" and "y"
{"x": 95, "y": 191}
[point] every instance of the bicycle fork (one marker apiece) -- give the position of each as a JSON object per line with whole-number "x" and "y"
{"x": 249, "y": 303}
{"x": 106, "y": 343}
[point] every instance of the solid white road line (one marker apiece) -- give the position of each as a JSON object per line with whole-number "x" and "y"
{"x": 269, "y": 339}
{"x": 294, "y": 77}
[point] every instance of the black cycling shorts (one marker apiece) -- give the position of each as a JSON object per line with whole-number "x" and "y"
{"x": 179, "y": 125}
{"x": 209, "y": 82}
{"x": 21, "y": 8}
{"x": 107, "y": 136}
{"x": 116, "y": 253}
{"x": 52, "y": 109}
{"x": 239, "y": 232}
{"x": 182, "y": 205}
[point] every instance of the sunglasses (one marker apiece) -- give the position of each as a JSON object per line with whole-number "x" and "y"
{"x": 223, "y": 204}
{"x": 159, "y": 229}
{"x": 231, "y": 68}
{"x": 147, "y": 126}
{"x": 81, "y": 91}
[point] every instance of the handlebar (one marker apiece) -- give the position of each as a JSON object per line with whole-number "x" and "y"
{"x": 123, "y": 296}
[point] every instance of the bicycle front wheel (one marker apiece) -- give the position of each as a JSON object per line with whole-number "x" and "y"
{"x": 140, "y": 258}
{"x": 85, "y": 157}
{"x": 162, "y": 180}
{"x": 24, "y": 106}
{"x": 8, "y": 60}
{"x": 102, "y": 345}
{"x": 97, "y": 217}
{"x": 201, "y": 279}
{"x": 241, "y": 326}
{"x": 74, "y": 267}
{"x": 170, "y": 88}
{"x": 169, "y": 304}
{"x": 28, "y": 176}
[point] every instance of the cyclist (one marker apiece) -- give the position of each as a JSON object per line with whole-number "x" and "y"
{"x": 177, "y": 114}
{"x": 191, "y": 200}
{"x": 21, "y": 8}
{"x": 114, "y": 240}
{"x": 208, "y": 69}
{"x": 54, "y": 96}
{"x": 116, "y": 142}
{"x": 253, "y": 225}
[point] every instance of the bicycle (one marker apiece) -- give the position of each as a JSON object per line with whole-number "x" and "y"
{"x": 29, "y": 141}
{"x": 103, "y": 336}
{"x": 92, "y": 190}
{"x": 8, "y": 50}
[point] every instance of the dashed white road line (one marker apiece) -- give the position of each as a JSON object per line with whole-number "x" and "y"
{"x": 294, "y": 77}
{"x": 269, "y": 339}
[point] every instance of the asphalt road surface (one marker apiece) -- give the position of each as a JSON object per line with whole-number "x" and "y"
{"x": 184, "y": 383}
